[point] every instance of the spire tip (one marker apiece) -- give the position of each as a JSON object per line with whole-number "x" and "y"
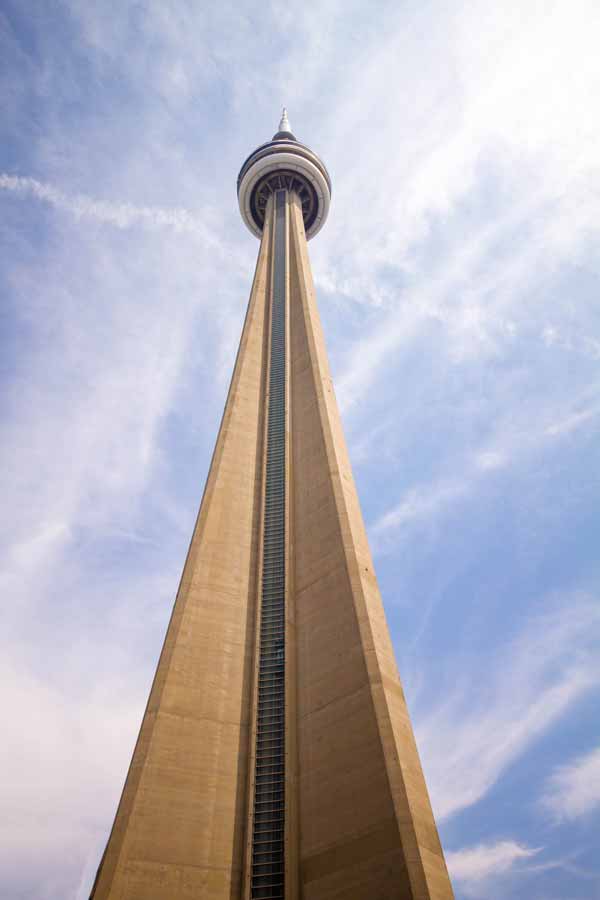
{"x": 284, "y": 124}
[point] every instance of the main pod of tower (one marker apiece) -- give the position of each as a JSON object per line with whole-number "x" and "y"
{"x": 276, "y": 758}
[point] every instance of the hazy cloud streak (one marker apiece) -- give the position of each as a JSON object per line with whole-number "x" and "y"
{"x": 573, "y": 790}
{"x": 121, "y": 215}
{"x": 479, "y": 862}
{"x": 500, "y": 706}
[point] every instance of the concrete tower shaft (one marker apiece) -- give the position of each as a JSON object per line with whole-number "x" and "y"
{"x": 276, "y": 759}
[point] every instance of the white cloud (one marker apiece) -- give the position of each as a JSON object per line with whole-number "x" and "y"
{"x": 31, "y": 552}
{"x": 60, "y": 752}
{"x": 488, "y": 460}
{"x": 573, "y": 790}
{"x": 514, "y": 443}
{"x": 571, "y": 340}
{"x": 571, "y": 423}
{"x": 499, "y": 102}
{"x": 120, "y": 215}
{"x": 508, "y": 868}
{"x": 499, "y": 705}
{"x": 419, "y": 503}
{"x": 475, "y": 864}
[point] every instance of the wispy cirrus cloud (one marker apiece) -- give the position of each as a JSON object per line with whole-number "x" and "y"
{"x": 474, "y": 865}
{"x": 513, "y": 445}
{"x": 572, "y": 791}
{"x": 52, "y": 764}
{"x": 420, "y": 503}
{"x": 120, "y": 215}
{"x": 498, "y": 132}
{"x": 571, "y": 422}
{"x": 508, "y": 867}
{"x": 500, "y": 706}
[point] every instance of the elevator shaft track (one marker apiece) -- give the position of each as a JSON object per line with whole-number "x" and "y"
{"x": 268, "y": 881}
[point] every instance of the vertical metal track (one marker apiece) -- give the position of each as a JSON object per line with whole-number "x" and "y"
{"x": 269, "y": 799}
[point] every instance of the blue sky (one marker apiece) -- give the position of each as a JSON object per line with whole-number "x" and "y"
{"x": 458, "y": 281}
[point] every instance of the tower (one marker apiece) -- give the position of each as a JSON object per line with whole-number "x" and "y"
{"x": 276, "y": 759}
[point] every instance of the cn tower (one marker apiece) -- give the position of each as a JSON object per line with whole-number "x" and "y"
{"x": 276, "y": 758}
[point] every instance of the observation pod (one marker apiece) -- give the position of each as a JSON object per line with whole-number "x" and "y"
{"x": 284, "y": 163}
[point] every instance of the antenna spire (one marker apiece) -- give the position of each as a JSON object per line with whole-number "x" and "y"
{"x": 284, "y": 124}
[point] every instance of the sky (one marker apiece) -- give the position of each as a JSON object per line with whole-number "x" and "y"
{"x": 457, "y": 278}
